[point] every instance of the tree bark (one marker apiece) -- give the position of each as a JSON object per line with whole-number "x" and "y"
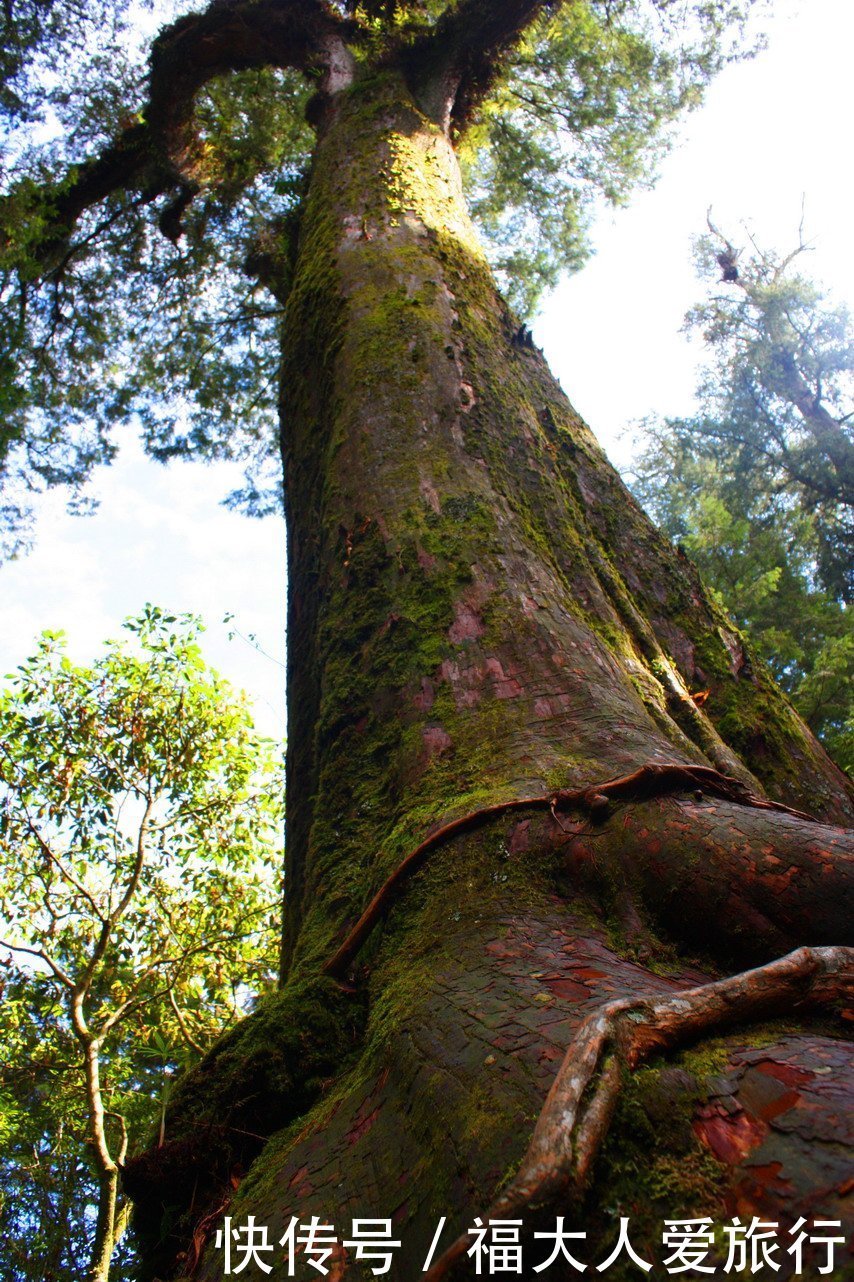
{"x": 104, "y": 1240}
{"x": 482, "y": 622}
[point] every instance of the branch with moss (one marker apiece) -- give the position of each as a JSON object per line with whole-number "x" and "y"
{"x": 307, "y": 35}
{"x": 160, "y": 151}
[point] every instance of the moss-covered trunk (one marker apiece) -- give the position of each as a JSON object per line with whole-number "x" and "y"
{"x": 480, "y": 613}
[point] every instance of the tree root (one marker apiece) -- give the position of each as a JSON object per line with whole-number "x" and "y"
{"x": 622, "y": 1034}
{"x": 653, "y": 780}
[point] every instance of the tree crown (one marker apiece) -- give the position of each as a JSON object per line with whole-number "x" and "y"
{"x": 152, "y": 179}
{"x": 140, "y": 852}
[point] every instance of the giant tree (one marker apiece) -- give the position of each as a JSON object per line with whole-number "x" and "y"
{"x": 538, "y": 784}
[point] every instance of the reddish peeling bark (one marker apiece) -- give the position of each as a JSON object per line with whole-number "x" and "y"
{"x": 593, "y": 802}
{"x": 579, "y": 1107}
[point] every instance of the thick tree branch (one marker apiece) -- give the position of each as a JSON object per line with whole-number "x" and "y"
{"x": 578, "y": 1110}
{"x": 162, "y": 152}
{"x": 454, "y": 67}
{"x": 94, "y": 1100}
{"x": 123, "y": 1136}
{"x": 829, "y": 436}
{"x": 129, "y": 163}
{"x": 228, "y": 36}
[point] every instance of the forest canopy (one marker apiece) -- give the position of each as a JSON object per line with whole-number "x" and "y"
{"x": 131, "y": 283}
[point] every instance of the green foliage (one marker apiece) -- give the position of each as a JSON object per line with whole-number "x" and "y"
{"x": 140, "y": 851}
{"x": 175, "y": 333}
{"x": 758, "y": 486}
{"x": 100, "y": 54}
{"x": 581, "y": 115}
{"x": 129, "y": 326}
{"x": 777, "y": 395}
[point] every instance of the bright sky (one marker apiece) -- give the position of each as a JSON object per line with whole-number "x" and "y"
{"x": 772, "y": 131}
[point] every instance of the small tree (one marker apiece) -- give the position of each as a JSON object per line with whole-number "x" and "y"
{"x": 140, "y": 842}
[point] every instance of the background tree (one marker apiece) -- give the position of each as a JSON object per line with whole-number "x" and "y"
{"x": 495, "y": 662}
{"x": 154, "y": 310}
{"x": 757, "y": 485}
{"x": 139, "y": 844}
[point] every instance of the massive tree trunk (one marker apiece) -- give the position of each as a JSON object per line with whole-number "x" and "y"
{"x": 484, "y": 627}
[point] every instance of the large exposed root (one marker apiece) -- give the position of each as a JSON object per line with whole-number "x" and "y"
{"x": 622, "y": 1034}
{"x": 652, "y": 780}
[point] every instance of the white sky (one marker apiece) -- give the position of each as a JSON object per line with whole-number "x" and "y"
{"x": 772, "y": 130}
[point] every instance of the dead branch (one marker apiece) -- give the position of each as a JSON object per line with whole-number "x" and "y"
{"x": 727, "y": 258}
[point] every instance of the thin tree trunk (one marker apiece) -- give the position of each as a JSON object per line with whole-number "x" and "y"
{"x": 105, "y": 1235}
{"x": 111, "y": 1225}
{"x": 483, "y": 625}
{"x": 104, "y": 1239}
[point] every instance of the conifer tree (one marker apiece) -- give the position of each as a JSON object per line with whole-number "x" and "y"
{"x": 758, "y": 485}
{"x": 542, "y": 795}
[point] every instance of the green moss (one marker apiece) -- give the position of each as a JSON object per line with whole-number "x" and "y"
{"x": 652, "y": 1166}
{"x": 421, "y": 939}
{"x": 750, "y": 712}
{"x": 269, "y": 1069}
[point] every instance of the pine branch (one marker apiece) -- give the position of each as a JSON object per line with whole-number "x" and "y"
{"x": 161, "y": 152}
